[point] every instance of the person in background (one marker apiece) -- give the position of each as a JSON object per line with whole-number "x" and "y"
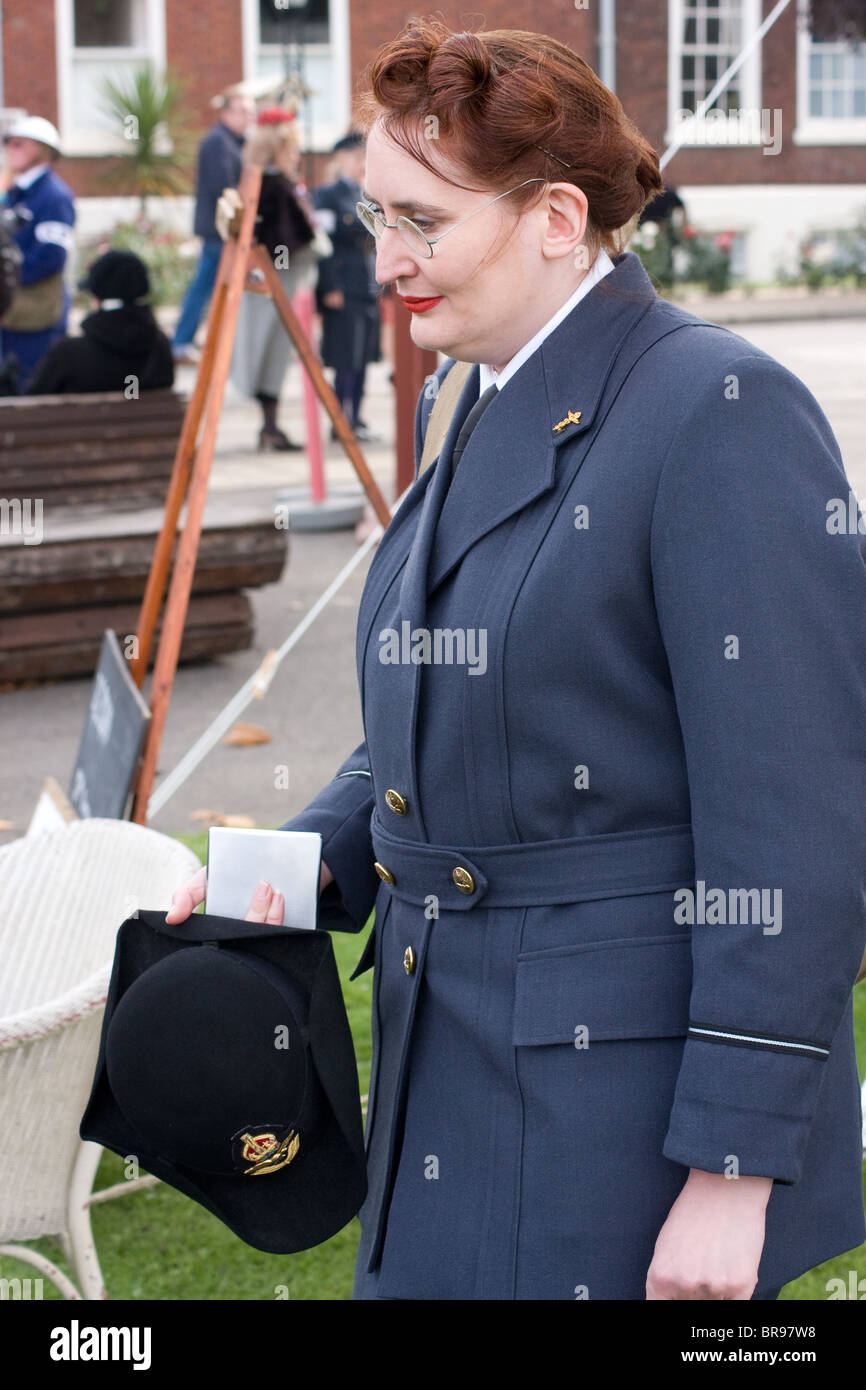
{"x": 219, "y": 167}
{"x": 347, "y": 295}
{"x": 284, "y": 227}
{"x": 119, "y": 340}
{"x": 45, "y": 209}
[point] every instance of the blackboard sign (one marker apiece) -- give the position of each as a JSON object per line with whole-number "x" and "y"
{"x": 112, "y": 740}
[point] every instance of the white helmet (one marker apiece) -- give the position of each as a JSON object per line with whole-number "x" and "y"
{"x": 35, "y": 128}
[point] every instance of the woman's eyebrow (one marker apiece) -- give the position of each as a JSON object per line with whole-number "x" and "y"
{"x": 409, "y": 206}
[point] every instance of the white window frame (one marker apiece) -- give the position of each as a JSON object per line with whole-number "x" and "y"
{"x": 79, "y": 142}
{"x": 745, "y": 127}
{"x": 338, "y": 47}
{"x": 819, "y": 130}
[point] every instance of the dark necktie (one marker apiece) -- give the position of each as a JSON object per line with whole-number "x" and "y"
{"x": 469, "y": 424}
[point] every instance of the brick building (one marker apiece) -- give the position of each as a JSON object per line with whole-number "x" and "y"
{"x": 782, "y": 153}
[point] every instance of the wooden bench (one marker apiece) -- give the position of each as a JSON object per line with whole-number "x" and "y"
{"x": 100, "y": 449}
{"x": 95, "y": 470}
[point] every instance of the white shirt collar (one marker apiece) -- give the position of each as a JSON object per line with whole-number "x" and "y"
{"x": 31, "y": 175}
{"x": 601, "y": 266}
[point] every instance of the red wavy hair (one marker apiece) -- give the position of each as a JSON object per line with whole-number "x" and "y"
{"x": 511, "y": 105}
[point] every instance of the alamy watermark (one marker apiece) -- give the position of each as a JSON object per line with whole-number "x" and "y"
{"x": 21, "y": 516}
{"x": 748, "y": 125}
{"x": 438, "y": 646}
{"x": 732, "y": 907}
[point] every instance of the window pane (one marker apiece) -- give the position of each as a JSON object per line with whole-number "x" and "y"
{"x": 690, "y": 34}
{"x": 712, "y": 31}
{"x": 711, "y": 69}
{"x": 284, "y": 21}
{"x": 815, "y": 103}
{"x": 103, "y": 23}
{"x": 688, "y": 68}
{"x": 816, "y": 67}
{"x": 838, "y": 108}
{"x": 860, "y": 102}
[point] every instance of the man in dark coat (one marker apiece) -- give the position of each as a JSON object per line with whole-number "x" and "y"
{"x": 120, "y": 341}
{"x": 219, "y": 167}
{"x": 347, "y": 295}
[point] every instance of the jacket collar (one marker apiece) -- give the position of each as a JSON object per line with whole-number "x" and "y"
{"x": 563, "y": 379}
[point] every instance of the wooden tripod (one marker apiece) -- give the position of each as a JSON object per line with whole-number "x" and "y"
{"x": 191, "y": 471}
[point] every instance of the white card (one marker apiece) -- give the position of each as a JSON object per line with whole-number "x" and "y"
{"x": 290, "y": 860}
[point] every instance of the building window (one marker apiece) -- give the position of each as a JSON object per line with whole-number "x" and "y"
{"x": 705, "y": 36}
{"x": 98, "y": 39}
{"x": 310, "y": 41}
{"x": 831, "y": 75}
{"x": 281, "y": 20}
{"x": 105, "y": 23}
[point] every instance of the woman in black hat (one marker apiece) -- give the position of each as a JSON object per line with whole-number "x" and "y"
{"x": 120, "y": 341}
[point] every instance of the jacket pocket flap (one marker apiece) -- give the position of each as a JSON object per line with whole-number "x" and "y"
{"x": 634, "y": 987}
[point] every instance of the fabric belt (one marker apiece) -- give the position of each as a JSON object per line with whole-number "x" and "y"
{"x": 538, "y": 872}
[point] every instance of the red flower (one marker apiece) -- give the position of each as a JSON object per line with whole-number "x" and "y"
{"x": 689, "y": 232}
{"x": 725, "y": 241}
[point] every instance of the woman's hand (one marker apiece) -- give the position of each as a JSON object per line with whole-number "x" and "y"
{"x": 266, "y": 906}
{"x": 710, "y": 1246}
{"x": 335, "y": 299}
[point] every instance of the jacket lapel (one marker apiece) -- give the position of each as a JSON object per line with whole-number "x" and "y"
{"x": 511, "y": 456}
{"x": 414, "y": 583}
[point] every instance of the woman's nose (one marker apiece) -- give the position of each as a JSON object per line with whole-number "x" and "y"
{"x": 393, "y": 258}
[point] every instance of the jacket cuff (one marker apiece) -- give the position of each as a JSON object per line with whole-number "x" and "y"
{"x": 341, "y": 814}
{"x": 744, "y": 1105}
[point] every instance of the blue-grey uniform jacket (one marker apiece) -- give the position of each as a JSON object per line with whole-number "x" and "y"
{"x": 613, "y": 680}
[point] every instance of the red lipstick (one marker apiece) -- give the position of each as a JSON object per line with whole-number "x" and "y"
{"x": 418, "y": 306}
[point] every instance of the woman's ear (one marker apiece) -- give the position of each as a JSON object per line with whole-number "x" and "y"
{"x": 566, "y": 209}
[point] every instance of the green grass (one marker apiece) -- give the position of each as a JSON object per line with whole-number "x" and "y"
{"x": 157, "y": 1244}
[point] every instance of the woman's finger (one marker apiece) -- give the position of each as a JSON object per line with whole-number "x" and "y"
{"x": 186, "y": 899}
{"x": 275, "y": 911}
{"x": 258, "y": 909}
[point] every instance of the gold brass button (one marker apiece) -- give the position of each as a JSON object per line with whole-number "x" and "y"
{"x": 464, "y": 880}
{"x": 396, "y": 802}
{"x": 385, "y": 874}
{"x": 409, "y": 961}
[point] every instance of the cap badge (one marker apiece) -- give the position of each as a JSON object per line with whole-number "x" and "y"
{"x": 265, "y": 1154}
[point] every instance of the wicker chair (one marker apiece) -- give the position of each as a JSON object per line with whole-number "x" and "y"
{"x": 63, "y": 896}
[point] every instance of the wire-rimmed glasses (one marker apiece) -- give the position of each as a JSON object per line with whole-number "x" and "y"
{"x": 411, "y": 233}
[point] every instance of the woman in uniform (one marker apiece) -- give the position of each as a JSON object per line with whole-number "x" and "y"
{"x": 346, "y": 292}
{"x": 610, "y": 806}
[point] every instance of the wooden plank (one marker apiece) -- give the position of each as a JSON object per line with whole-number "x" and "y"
{"x": 91, "y": 402}
{"x": 67, "y": 588}
{"x": 55, "y": 645}
{"x": 68, "y": 448}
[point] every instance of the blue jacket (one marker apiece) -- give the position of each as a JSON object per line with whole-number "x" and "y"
{"x": 620, "y": 822}
{"x": 219, "y": 166}
{"x": 47, "y": 237}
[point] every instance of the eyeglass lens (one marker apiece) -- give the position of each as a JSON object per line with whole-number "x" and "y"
{"x": 408, "y": 231}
